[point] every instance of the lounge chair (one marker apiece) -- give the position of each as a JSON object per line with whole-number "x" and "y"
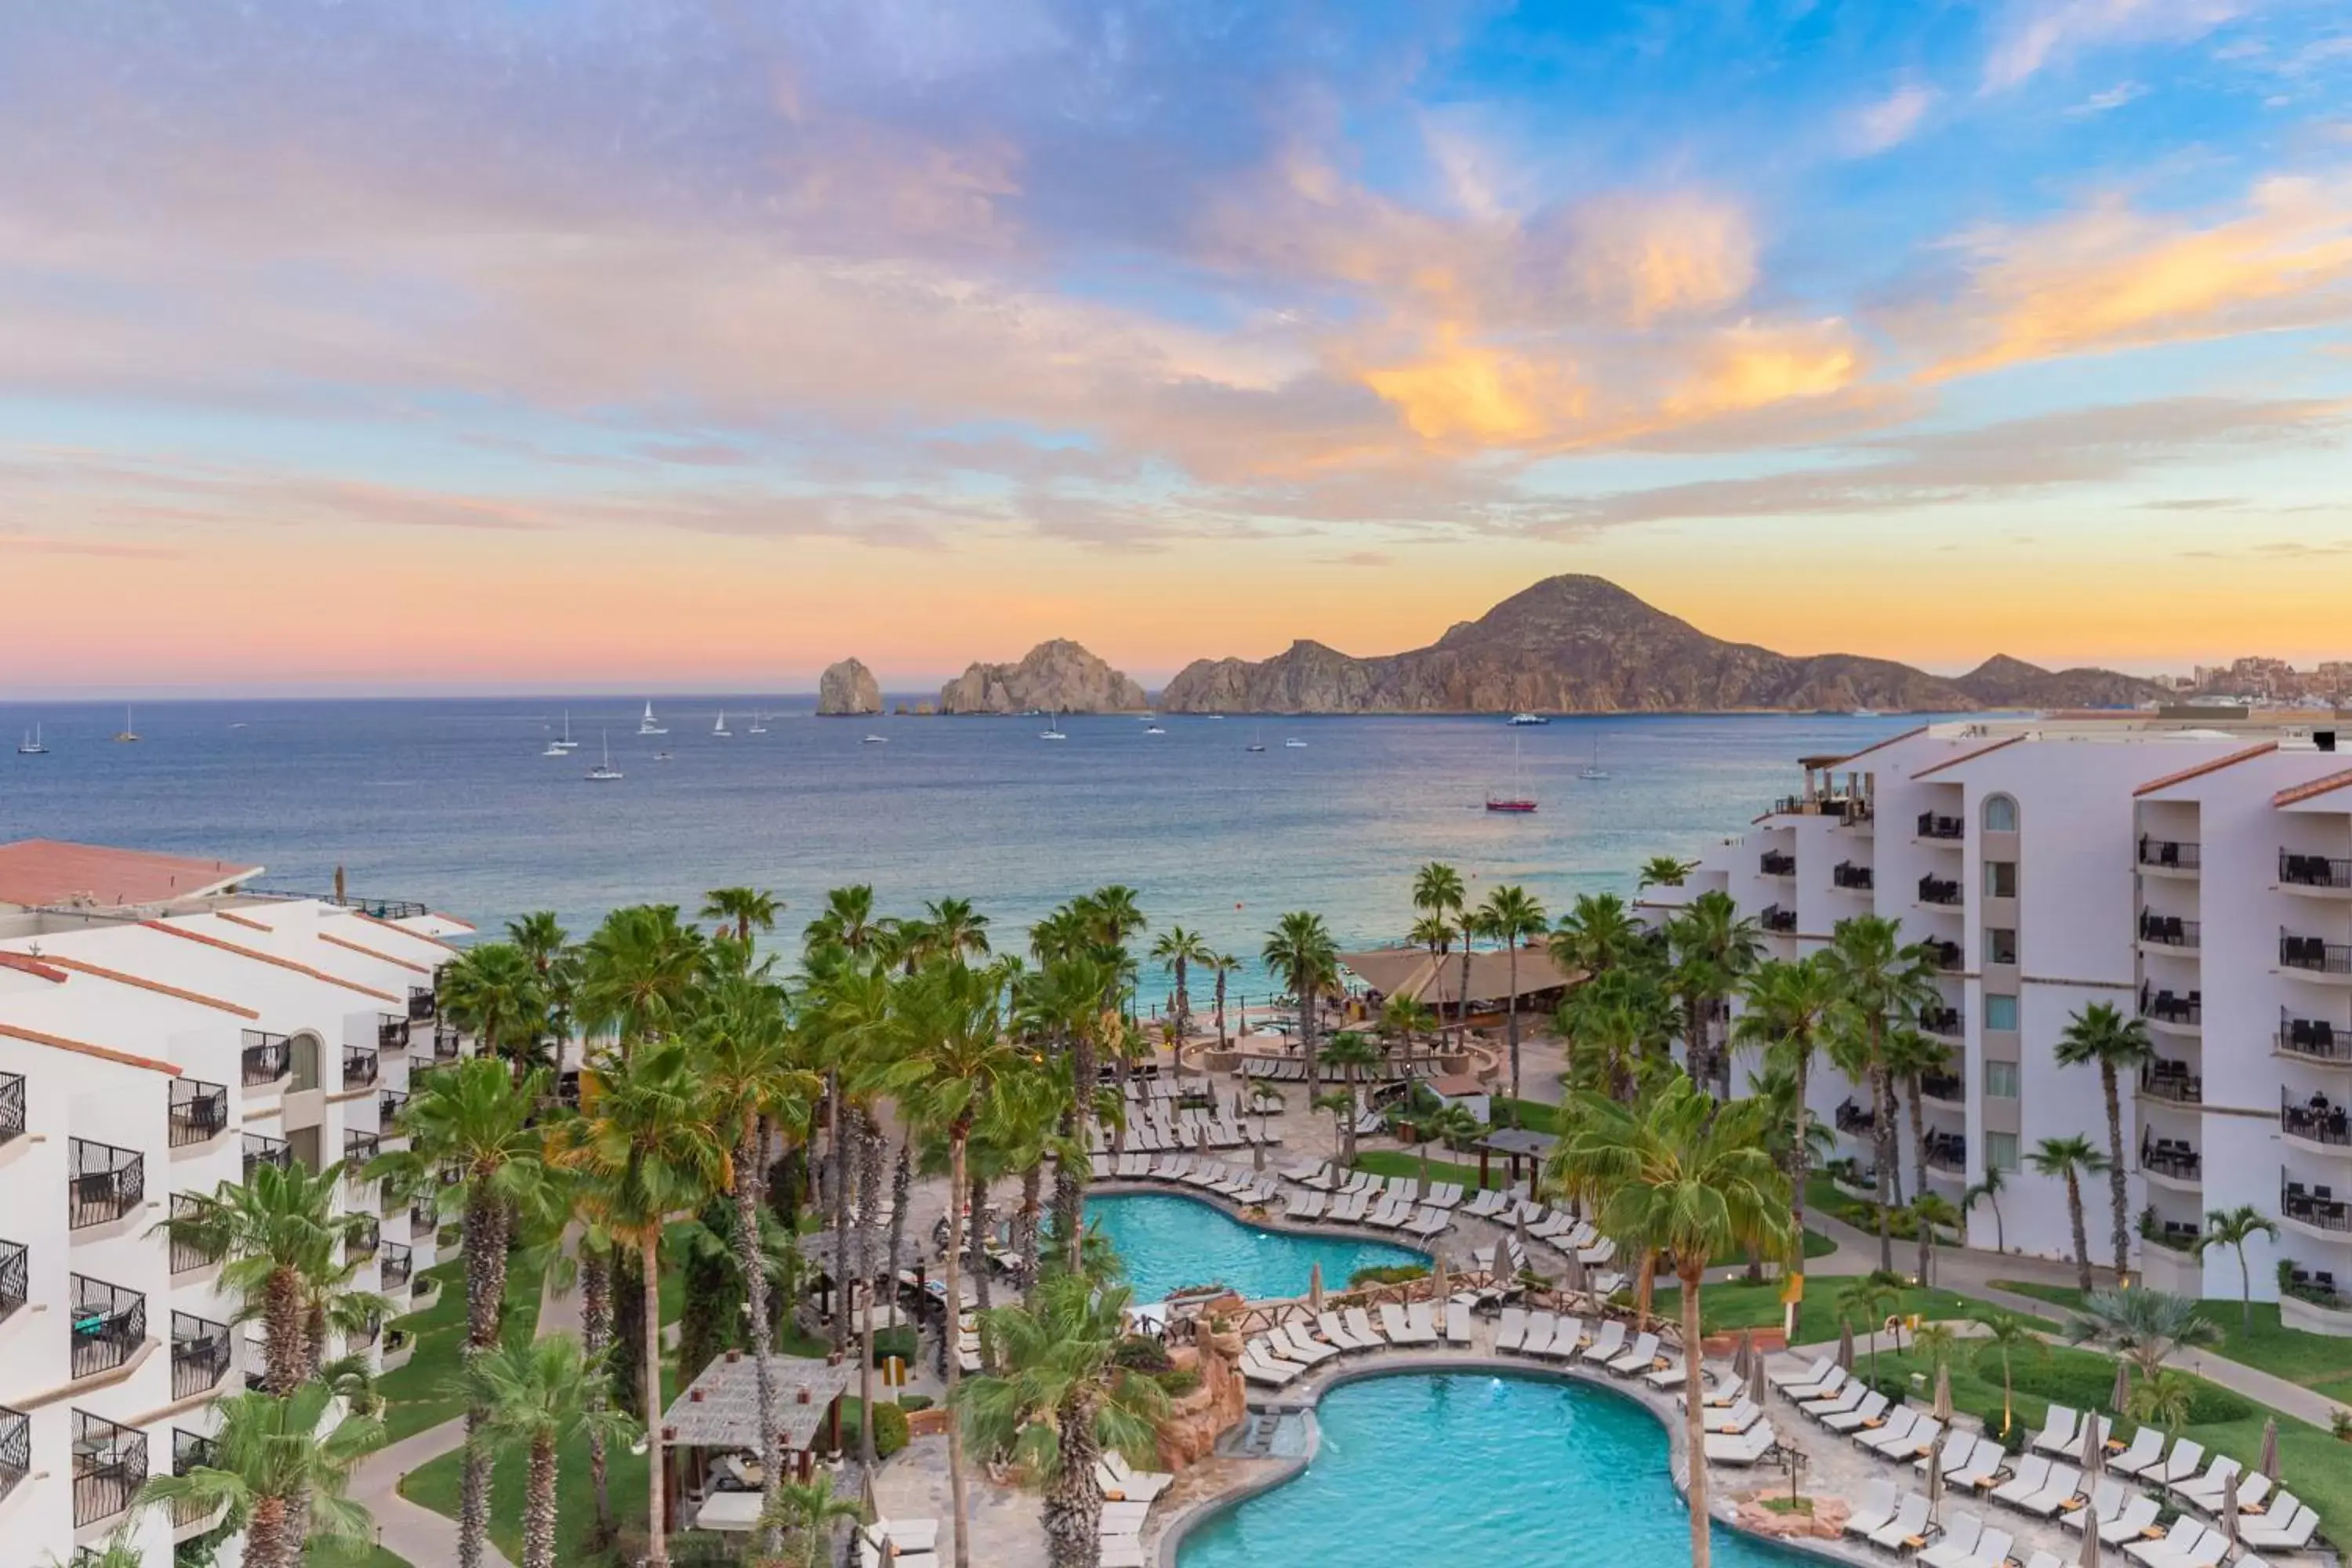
{"x": 1457, "y": 1324}
{"x": 1789, "y": 1382}
{"x": 1337, "y": 1332}
{"x": 2185, "y": 1532}
{"x": 1874, "y": 1510}
{"x": 2108, "y": 1496}
{"x": 1116, "y": 1551}
{"x": 2044, "y": 1560}
{"x": 1909, "y": 1524}
{"x": 1920, "y": 1440}
{"x": 1486, "y": 1202}
{"x": 2146, "y": 1445}
{"x": 1607, "y": 1344}
{"x": 1844, "y": 1402}
{"x": 1983, "y": 1471}
{"x": 1821, "y": 1393}
{"x": 1897, "y": 1420}
{"x": 1671, "y": 1375}
{"x": 1511, "y": 1329}
{"x": 1639, "y": 1359}
{"x": 1123, "y": 1517}
{"x": 1295, "y": 1344}
{"x": 2252, "y": 1487}
{"x": 1305, "y": 1205}
{"x": 1992, "y": 1550}
{"x": 1390, "y": 1216}
{"x": 1535, "y": 1338}
{"x": 1568, "y": 1339}
{"x": 2032, "y": 1475}
{"x": 1960, "y": 1452}
{"x": 2207, "y": 1553}
{"x": 1866, "y": 1409}
{"x": 1359, "y": 1323}
{"x": 1257, "y": 1369}
{"x": 2205, "y": 1490}
{"x": 1428, "y": 1222}
{"x": 1422, "y": 1317}
{"x": 2065, "y": 1484}
{"x": 2138, "y": 1515}
{"x": 1394, "y": 1325}
{"x": 2060, "y": 1433}
{"x": 2178, "y": 1466}
{"x": 1738, "y": 1418}
{"x": 1346, "y": 1208}
{"x": 1959, "y": 1544}
{"x": 1744, "y": 1449}
{"x": 1133, "y": 1485}
{"x": 2282, "y": 1529}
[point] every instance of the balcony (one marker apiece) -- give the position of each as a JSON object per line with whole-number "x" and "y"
{"x": 2313, "y": 1040}
{"x": 446, "y": 1043}
{"x": 1853, "y": 877}
{"x": 192, "y": 1452}
{"x": 1852, "y": 1118}
{"x": 260, "y": 1149}
{"x": 1941, "y": 892}
{"x": 1851, "y": 810}
{"x": 361, "y": 1241}
{"x": 1943, "y": 1087}
{"x": 200, "y": 1354}
{"x": 2315, "y": 1120}
{"x": 359, "y": 1148}
{"x": 15, "y": 1278}
{"x": 12, "y": 1107}
{"x": 2171, "y": 856}
{"x": 110, "y": 1466}
{"x": 109, "y": 1325}
{"x": 1776, "y": 863}
{"x": 2172, "y": 1011}
{"x": 186, "y": 1256}
{"x": 2314, "y": 874}
{"x": 2170, "y": 1160}
{"x": 387, "y": 1111}
{"x": 1944, "y": 955}
{"x": 1944, "y": 1023}
{"x": 103, "y": 1182}
{"x": 1778, "y": 920}
{"x": 397, "y": 1262}
{"x": 199, "y": 1111}
{"x": 422, "y": 1005}
{"x": 15, "y": 1448}
{"x": 2170, "y": 931}
{"x": 268, "y": 1057}
{"x": 359, "y": 1066}
{"x": 422, "y": 1218}
{"x": 2314, "y": 1208}
{"x": 391, "y": 1033}
{"x": 2314, "y": 955}
{"x": 2171, "y": 1080}
{"x": 1932, "y": 825}
{"x": 1947, "y": 1152}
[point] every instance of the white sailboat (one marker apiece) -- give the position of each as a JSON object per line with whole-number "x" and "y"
{"x": 1295, "y": 743}
{"x": 648, "y": 725}
{"x": 604, "y": 772}
{"x": 876, "y": 740}
{"x": 720, "y": 728}
{"x": 129, "y": 732}
{"x": 1053, "y": 730}
{"x": 567, "y": 745}
{"x": 30, "y": 746}
{"x": 1257, "y": 741}
{"x": 1593, "y": 770}
{"x": 759, "y": 723}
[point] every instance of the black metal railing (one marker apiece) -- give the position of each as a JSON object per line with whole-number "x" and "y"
{"x": 2315, "y": 1120}
{"x": 381, "y": 908}
{"x": 1847, "y": 874}
{"x": 103, "y": 1183}
{"x": 190, "y": 1452}
{"x": 361, "y": 1241}
{"x": 422, "y": 1003}
{"x": 360, "y": 1065}
{"x": 395, "y": 1265}
{"x": 1946, "y": 1152}
{"x": 110, "y": 1466}
{"x": 15, "y": 1277}
{"x": 1932, "y": 825}
{"x": 1775, "y": 919}
{"x": 387, "y": 1110}
{"x": 391, "y": 1032}
{"x": 199, "y": 1111}
{"x": 268, "y": 1057}
{"x": 2318, "y": 1207}
{"x": 2170, "y": 855}
{"x": 2171, "y": 1157}
{"x": 2315, "y": 1037}
{"x": 260, "y": 1149}
{"x": 422, "y": 1218}
{"x": 2170, "y": 931}
{"x": 200, "y": 1354}
{"x": 1944, "y": 955}
{"x": 2314, "y": 871}
{"x": 2315, "y": 955}
{"x": 2166, "y": 1079}
{"x": 1852, "y": 1118}
{"x": 1943, "y": 1086}
{"x": 1941, "y": 890}
{"x": 12, "y": 1106}
{"x": 2171, "y": 1007}
{"x": 368, "y": 1329}
{"x": 15, "y": 1448}
{"x": 185, "y": 1254}
{"x": 108, "y": 1326}
{"x": 359, "y": 1148}
{"x": 446, "y": 1043}
{"x": 1776, "y": 863}
{"x": 1944, "y": 1023}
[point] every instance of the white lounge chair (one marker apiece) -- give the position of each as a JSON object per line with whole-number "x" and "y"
{"x": 1537, "y": 1337}
{"x": 1789, "y": 1381}
{"x": 2185, "y": 1532}
{"x": 2283, "y": 1529}
{"x": 1338, "y": 1334}
{"x": 1920, "y": 1438}
{"x": 1671, "y": 1375}
{"x": 1485, "y": 1204}
{"x": 1869, "y": 1407}
{"x": 2061, "y": 1432}
{"x": 1511, "y": 1329}
{"x": 2066, "y": 1485}
{"x": 2147, "y": 1446}
{"x": 1608, "y": 1342}
{"x": 2044, "y": 1559}
{"x": 2032, "y": 1475}
{"x": 2108, "y": 1496}
{"x": 1957, "y": 1545}
{"x": 1305, "y": 1205}
{"x": 1738, "y": 1418}
{"x": 1741, "y": 1448}
{"x": 2205, "y": 1490}
{"x": 1359, "y": 1323}
{"x": 2138, "y": 1515}
{"x": 1422, "y": 1317}
{"x": 1844, "y": 1402}
{"x": 1131, "y": 1484}
{"x": 1898, "y": 1420}
{"x": 2178, "y": 1465}
{"x": 1394, "y": 1325}
{"x": 1909, "y": 1523}
{"x": 1874, "y": 1510}
{"x": 1457, "y": 1324}
{"x": 1568, "y": 1340}
{"x": 1992, "y": 1550}
{"x": 1257, "y": 1369}
{"x": 2206, "y": 1552}
{"x": 1638, "y": 1359}
{"x": 1295, "y": 1344}
{"x": 1983, "y": 1469}
{"x": 1428, "y": 1222}
{"x": 1724, "y": 1386}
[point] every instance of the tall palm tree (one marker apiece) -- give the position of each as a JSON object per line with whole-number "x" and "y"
{"x": 497, "y": 993}
{"x": 1678, "y": 1174}
{"x": 2234, "y": 1228}
{"x": 2101, "y": 1037}
{"x": 274, "y": 1232}
{"x": 278, "y": 1474}
{"x": 746, "y": 908}
{"x": 1786, "y": 1012}
{"x": 955, "y": 1059}
{"x": 1061, "y": 1399}
{"x": 1062, "y": 1003}
{"x": 1223, "y": 966}
{"x": 846, "y": 921}
{"x": 542, "y": 937}
{"x": 1178, "y": 950}
{"x": 1512, "y": 916}
{"x": 1931, "y": 1212}
{"x": 1350, "y": 1053}
{"x": 1910, "y": 1056}
{"x": 954, "y": 930}
{"x": 2070, "y": 1159}
{"x": 534, "y": 1398}
{"x": 1596, "y": 935}
{"x": 472, "y": 1119}
{"x": 1987, "y": 1191}
{"x": 638, "y": 972}
{"x": 1714, "y": 946}
{"x": 1403, "y": 1018}
{"x": 644, "y": 1146}
{"x": 1666, "y": 871}
{"x": 1438, "y": 895}
{"x": 1882, "y": 983}
{"x": 1300, "y": 950}
{"x": 2012, "y": 1336}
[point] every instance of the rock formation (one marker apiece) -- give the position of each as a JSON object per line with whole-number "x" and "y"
{"x": 1053, "y": 676}
{"x": 1582, "y": 645}
{"x": 848, "y": 687}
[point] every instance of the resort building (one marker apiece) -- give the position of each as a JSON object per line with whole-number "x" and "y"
{"x": 165, "y": 1028}
{"x": 2195, "y": 873}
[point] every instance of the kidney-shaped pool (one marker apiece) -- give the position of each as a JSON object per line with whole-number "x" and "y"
{"x": 1169, "y": 1242}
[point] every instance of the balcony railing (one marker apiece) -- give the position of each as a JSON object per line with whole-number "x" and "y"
{"x": 381, "y": 909}
{"x": 1848, "y": 809}
{"x": 15, "y": 1448}
{"x": 260, "y": 1149}
{"x": 2314, "y": 1038}
{"x": 2171, "y": 1157}
{"x": 391, "y": 1032}
{"x": 1943, "y": 1086}
{"x": 1944, "y": 955}
{"x": 2170, "y": 855}
{"x": 362, "y": 1241}
{"x": 1931, "y": 825}
{"x": 2315, "y": 1120}
{"x": 268, "y": 1057}
{"x": 2314, "y": 871}
{"x": 1941, "y": 890}
{"x": 1776, "y": 863}
{"x": 1946, "y": 1152}
{"x": 1778, "y": 919}
{"x": 103, "y": 1182}
{"x": 199, "y": 1111}
{"x": 2170, "y": 1007}
{"x": 1944, "y": 1023}
{"x": 422, "y": 1218}
{"x": 109, "y": 1325}
{"x": 2170, "y": 930}
{"x": 359, "y": 1066}
{"x": 191, "y": 1452}
{"x": 2315, "y": 955}
{"x": 359, "y": 1148}
{"x": 446, "y": 1043}
{"x": 200, "y": 1354}
{"x": 1852, "y": 1118}
{"x": 110, "y": 1466}
{"x": 387, "y": 1110}
{"x": 2172, "y": 1081}
{"x": 1847, "y": 874}
{"x": 12, "y": 1106}
{"x": 186, "y": 1255}
{"x": 15, "y": 1278}
{"x": 422, "y": 1005}
{"x": 2318, "y": 1207}
{"x": 396, "y": 1262}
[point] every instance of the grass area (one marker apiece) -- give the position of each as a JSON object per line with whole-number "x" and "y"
{"x": 1405, "y": 1163}
{"x": 2313, "y": 1361}
{"x": 1532, "y": 1114}
{"x": 319, "y": 1554}
{"x": 415, "y": 1395}
{"x": 1736, "y": 1304}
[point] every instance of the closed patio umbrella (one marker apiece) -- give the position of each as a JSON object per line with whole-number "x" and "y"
{"x": 2270, "y": 1464}
{"x": 1943, "y": 1391}
{"x": 1745, "y": 1356}
{"x": 1437, "y": 1276}
{"x": 1314, "y": 1288}
{"x": 2229, "y": 1520}
{"x": 2095, "y": 1453}
{"x": 1936, "y": 1476}
{"x": 1845, "y": 1346}
{"x": 1760, "y": 1388}
{"x": 2088, "y": 1557}
{"x": 2121, "y": 1395}
{"x": 1574, "y": 1279}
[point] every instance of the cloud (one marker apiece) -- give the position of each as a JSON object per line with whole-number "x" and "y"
{"x": 2195, "y": 503}
{"x": 2029, "y": 34}
{"x": 1367, "y": 558}
{"x": 1890, "y": 121}
{"x": 2116, "y": 97}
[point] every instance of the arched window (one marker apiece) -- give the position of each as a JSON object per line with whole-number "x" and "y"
{"x": 2000, "y": 814}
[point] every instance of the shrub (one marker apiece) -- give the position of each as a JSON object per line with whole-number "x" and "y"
{"x": 1389, "y": 1274}
{"x": 1179, "y": 1381}
{"x": 899, "y": 1342}
{"x": 890, "y": 1432}
{"x": 1138, "y": 1353}
{"x": 910, "y": 1403}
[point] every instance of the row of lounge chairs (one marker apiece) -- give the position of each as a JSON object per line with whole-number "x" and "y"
{"x": 1128, "y": 1496}
{"x": 1362, "y": 1208}
{"x": 1160, "y": 1129}
{"x": 1900, "y": 1522}
{"x": 1287, "y": 1352}
{"x": 1185, "y": 1170}
{"x": 1323, "y": 1176}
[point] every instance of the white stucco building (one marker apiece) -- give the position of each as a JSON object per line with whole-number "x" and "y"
{"x": 2194, "y": 871}
{"x": 161, "y": 1032}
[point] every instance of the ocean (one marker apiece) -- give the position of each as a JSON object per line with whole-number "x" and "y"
{"x": 451, "y": 803}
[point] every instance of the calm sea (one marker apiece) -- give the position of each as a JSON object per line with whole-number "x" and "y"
{"x": 451, "y": 802}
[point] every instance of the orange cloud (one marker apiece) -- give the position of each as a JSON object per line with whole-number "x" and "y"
{"x": 1462, "y": 395}
{"x": 1754, "y": 366}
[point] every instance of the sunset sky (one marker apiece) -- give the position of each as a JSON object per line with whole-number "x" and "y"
{"x": 638, "y": 344}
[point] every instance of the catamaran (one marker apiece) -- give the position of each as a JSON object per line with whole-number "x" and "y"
{"x": 1526, "y": 719}
{"x": 647, "y": 726}
{"x": 604, "y": 772}
{"x": 1296, "y": 744}
{"x": 30, "y": 746}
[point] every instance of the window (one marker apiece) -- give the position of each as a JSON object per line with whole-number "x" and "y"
{"x": 2000, "y": 1151}
{"x": 2000, "y": 945}
{"x": 2000, "y": 878}
{"x": 2001, "y": 1079}
{"x": 306, "y": 1062}
{"x": 2000, "y": 815}
{"x": 2000, "y": 1012}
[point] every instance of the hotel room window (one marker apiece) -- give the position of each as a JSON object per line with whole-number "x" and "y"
{"x": 2000, "y": 945}
{"x": 2000, "y": 1012}
{"x": 2001, "y": 1079}
{"x": 2000, "y": 814}
{"x": 2000, "y": 1151}
{"x": 2000, "y": 878}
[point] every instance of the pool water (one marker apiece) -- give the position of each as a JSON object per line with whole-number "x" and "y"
{"x": 1169, "y": 1242}
{"x": 1472, "y": 1469}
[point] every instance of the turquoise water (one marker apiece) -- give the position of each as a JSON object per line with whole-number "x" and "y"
{"x": 1472, "y": 1469}
{"x": 1170, "y": 1242}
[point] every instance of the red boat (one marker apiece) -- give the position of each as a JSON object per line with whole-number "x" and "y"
{"x": 1505, "y": 803}
{"x": 1517, "y": 799}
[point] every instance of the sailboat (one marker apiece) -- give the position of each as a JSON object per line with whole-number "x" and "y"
{"x": 30, "y": 746}
{"x": 759, "y": 723}
{"x": 1257, "y": 741}
{"x": 128, "y": 732}
{"x": 567, "y": 745}
{"x": 876, "y": 740}
{"x": 1524, "y": 719}
{"x": 1295, "y": 743}
{"x": 1053, "y": 730}
{"x": 604, "y": 772}
{"x": 1518, "y": 799}
{"x": 1154, "y": 730}
{"x": 720, "y": 728}
{"x": 1593, "y": 770}
{"x": 647, "y": 726}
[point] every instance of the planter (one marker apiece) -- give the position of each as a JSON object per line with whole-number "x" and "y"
{"x": 2176, "y": 1273}
{"x": 2295, "y": 1313}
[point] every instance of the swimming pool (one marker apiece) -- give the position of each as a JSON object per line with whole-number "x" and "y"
{"x": 1473, "y": 1467}
{"x": 1169, "y": 1242}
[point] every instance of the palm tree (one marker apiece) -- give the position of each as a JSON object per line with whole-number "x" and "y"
{"x": 1881, "y": 981}
{"x": 1401, "y": 1018}
{"x": 1909, "y": 1056}
{"x": 534, "y": 1398}
{"x": 542, "y": 937}
{"x": 637, "y": 972}
{"x": 1666, "y": 871}
{"x": 1223, "y": 965}
{"x": 846, "y": 922}
{"x": 472, "y": 1119}
{"x": 1438, "y": 895}
{"x": 273, "y": 1233}
{"x": 1300, "y": 951}
{"x": 2143, "y": 1326}
{"x": 1678, "y": 1173}
{"x": 1350, "y": 1053}
{"x": 1713, "y": 945}
{"x": 1872, "y": 1297}
{"x": 954, "y": 928}
{"x": 497, "y": 993}
{"x": 644, "y": 1146}
{"x": 1787, "y": 1012}
{"x": 804, "y": 1511}
{"x": 280, "y": 1477}
{"x": 1512, "y": 916}
{"x": 2165, "y": 1399}
{"x": 1064, "y": 1001}
{"x": 2071, "y": 1159}
{"x": 746, "y": 908}
{"x": 2100, "y": 1035}
{"x": 1987, "y": 1191}
{"x": 1061, "y": 1399}
{"x": 2012, "y": 1336}
{"x": 2234, "y": 1228}
{"x": 1178, "y": 949}
{"x": 1449, "y": 1125}
{"x": 1928, "y": 1211}
{"x": 1598, "y": 934}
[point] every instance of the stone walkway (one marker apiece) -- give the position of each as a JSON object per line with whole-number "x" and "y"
{"x": 406, "y": 1529}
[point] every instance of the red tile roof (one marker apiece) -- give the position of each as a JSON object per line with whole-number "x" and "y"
{"x": 24, "y": 963}
{"x": 46, "y": 871}
{"x": 2201, "y": 769}
{"x": 2331, "y": 782}
{"x": 107, "y": 1053}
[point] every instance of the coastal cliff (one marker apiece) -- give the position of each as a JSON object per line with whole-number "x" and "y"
{"x": 1582, "y": 645}
{"x": 1054, "y": 676}
{"x": 847, "y": 689}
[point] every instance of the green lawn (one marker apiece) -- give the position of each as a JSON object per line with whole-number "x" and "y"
{"x": 2315, "y": 1361}
{"x": 1736, "y": 1304}
{"x": 321, "y": 1555}
{"x": 415, "y": 1395}
{"x": 1532, "y": 1114}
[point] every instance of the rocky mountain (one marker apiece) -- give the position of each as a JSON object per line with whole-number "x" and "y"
{"x": 1056, "y": 677}
{"x": 848, "y": 687}
{"x": 1582, "y": 644}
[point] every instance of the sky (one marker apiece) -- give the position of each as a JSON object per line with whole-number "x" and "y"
{"x": 649, "y": 345}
